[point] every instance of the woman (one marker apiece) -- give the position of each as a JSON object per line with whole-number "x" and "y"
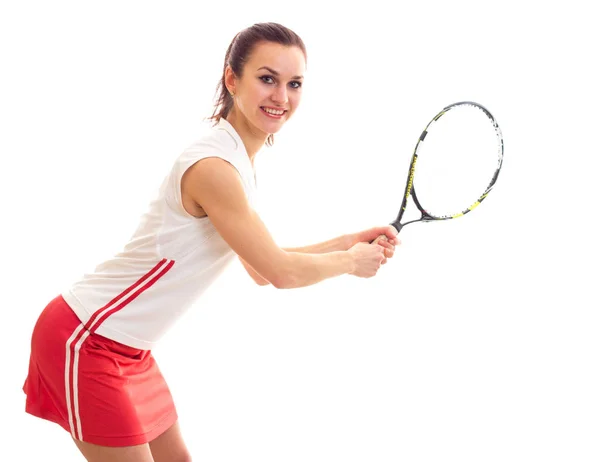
{"x": 91, "y": 368}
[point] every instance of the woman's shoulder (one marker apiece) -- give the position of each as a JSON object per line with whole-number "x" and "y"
{"x": 219, "y": 137}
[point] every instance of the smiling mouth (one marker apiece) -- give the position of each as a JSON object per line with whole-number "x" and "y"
{"x": 277, "y": 113}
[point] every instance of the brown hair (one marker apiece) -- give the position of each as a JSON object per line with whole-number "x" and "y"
{"x": 238, "y": 54}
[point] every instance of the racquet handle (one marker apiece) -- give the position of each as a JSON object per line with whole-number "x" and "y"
{"x": 383, "y": 237}
{"x": 396, "y": 225}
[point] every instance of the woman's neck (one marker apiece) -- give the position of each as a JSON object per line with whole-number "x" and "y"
{"x": 253, "y": 139}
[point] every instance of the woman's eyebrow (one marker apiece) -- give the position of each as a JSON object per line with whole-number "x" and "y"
{"x": 274, "y": 72}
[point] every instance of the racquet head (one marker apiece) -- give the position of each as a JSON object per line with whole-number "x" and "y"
{"x": 455, "y": 163}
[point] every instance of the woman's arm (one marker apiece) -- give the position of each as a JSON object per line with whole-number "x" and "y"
{"x": 215, "y": 185}
{"x": 347, "y": 241}
{"x": 337, "y": 244}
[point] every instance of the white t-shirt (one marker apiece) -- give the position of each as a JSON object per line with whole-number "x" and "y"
{"x": 134, "y": 297}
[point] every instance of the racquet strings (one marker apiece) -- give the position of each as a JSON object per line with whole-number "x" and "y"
{"x": 456, "y": 162}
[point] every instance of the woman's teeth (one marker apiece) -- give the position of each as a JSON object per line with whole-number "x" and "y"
{"x": 273, "y": 111}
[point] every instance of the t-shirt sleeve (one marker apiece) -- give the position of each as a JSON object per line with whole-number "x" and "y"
{"x": 198, "y": 151}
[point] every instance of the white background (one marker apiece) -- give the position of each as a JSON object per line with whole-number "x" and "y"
{"x": 477, "y": 342}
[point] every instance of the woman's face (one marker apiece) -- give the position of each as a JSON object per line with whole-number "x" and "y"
{"x": 269, "y": 90}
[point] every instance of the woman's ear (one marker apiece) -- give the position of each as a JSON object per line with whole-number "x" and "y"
{"x": 230, "y": 80}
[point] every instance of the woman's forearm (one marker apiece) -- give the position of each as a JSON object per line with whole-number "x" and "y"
{"x": 305, "y": 269}
{"x": 336, "y": 244}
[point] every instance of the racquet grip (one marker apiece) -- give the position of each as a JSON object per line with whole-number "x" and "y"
{"x": 382, "y": 237}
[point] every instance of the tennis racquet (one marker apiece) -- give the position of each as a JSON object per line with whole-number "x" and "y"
{"x": 459, "y": 155}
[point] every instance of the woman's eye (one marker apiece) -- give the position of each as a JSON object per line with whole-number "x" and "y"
{"x": 267, "y": 79}
{"x": 296, "y": 84}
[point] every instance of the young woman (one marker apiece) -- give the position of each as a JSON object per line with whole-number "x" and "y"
{"x": 91, "y": 368}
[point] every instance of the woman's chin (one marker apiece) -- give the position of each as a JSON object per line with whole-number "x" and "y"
{"x": 271, "y": 128}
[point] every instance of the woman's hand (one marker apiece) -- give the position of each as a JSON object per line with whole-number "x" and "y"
{"x": 366, "y": 258}
{"x": 384, "y": 236}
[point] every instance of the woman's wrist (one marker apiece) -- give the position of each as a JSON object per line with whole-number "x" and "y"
{"x": 350, "y": 240}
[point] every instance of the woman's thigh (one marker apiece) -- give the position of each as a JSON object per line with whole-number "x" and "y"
{"x": 96, "y": 453}
{"x": 170, "y": 447}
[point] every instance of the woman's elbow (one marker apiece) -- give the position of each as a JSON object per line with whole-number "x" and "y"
{"x": 262, "y": 282}
{"x": 284, "y": 281}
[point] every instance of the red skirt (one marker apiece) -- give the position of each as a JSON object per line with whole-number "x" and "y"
{"x": 99, "y": 390}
